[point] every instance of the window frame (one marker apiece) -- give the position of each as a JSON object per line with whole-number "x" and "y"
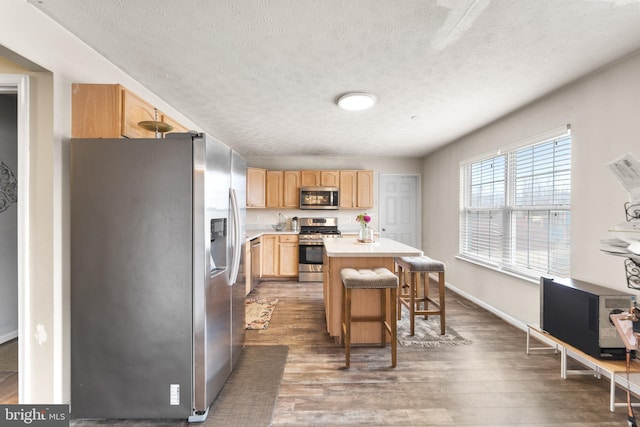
{"x": 505, "y": 256}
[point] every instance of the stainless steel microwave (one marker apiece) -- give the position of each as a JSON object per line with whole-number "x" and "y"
{"x": 319, "y": 198}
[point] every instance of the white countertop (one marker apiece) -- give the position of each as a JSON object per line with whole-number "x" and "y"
{"x": 255, "y": 233}
{"x": 382, "y": 247}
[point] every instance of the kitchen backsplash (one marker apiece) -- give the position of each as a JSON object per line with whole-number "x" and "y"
{"x": 259, "y": 219}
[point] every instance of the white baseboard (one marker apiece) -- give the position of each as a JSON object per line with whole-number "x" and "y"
{"x": 9, "y": 336}
{"x": 504, "y": 316}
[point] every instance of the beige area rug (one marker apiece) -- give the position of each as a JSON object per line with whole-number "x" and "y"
{"x": 9, "y": 356}
{"x": 251, "y": 392}
{"x": 258, "y": 312}
{"x": 427, "y": 332}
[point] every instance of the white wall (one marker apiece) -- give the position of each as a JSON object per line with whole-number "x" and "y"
{"x": 346, "y": 217}
{"x": 30, "y": 34}
{"x": 9, "y": 223}
{"x": 603, "y": 110}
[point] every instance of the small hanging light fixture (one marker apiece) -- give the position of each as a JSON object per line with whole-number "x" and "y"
{"x": 155, "y": 126}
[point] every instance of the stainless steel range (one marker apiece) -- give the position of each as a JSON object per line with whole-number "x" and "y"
{"x": 312, "y": 231}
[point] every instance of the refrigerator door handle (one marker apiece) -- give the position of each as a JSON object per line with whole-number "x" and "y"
{"x": 235, "y": 266}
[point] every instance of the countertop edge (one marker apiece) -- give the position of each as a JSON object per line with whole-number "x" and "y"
{"x": 384, "y": 249}
{"x": 254, "y": 234}
{"x": 373, "y": 254}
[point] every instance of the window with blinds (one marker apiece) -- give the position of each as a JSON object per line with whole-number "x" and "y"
{"x": 516, "y": 208}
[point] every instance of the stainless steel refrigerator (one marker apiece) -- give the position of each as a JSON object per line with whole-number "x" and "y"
{"x": 157, "y": 275}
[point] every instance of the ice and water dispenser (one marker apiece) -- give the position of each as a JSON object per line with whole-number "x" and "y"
{"x": 218, "y": 245}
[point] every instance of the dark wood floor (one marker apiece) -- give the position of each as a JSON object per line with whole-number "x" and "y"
{"x": 491, "y": 382}
{"x": 9, "y": 372}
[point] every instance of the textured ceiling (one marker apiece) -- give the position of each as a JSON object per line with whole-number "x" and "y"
{"x": 263, "y": 75}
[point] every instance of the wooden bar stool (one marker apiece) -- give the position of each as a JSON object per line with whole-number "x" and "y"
{"x": 410, "y": 295}
{"x": 376, "y": 278}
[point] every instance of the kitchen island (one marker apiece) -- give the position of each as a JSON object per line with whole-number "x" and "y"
{"x": 347, "y": 252}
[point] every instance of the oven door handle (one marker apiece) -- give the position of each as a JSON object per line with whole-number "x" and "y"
{"x": 310, "y": 244}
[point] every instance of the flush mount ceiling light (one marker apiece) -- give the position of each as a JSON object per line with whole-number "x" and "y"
{"x": 354, "y": 101}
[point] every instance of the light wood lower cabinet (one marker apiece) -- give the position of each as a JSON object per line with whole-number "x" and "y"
{"x": 269, "y": 255}
{"x": 365, "y": 302}
{"x": 288, "y": 248}
{"x": 247, "y": 267}
{"x": 279, "y": 256}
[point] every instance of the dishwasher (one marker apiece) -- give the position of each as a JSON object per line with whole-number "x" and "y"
{"x": 255, "y": 262}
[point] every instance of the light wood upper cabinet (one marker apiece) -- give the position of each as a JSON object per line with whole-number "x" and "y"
{"x": 320, "y": 178}
{"x": 348, "y": 189}
{"x": 365, "y": 189}
{"x": 309, "y": 178}
{"x": 136, "y": 110}
{"x": 291, "y": 198}
{"x": 177, "y": 127}
{"x": 356, "y": 189}
{"x": 256, "y": 185}
{"x": 281, "y": 189}
{"x": 112, "y": 111}
{"x": 96, "y": 111}
{"x": 275, "y": 189}
{"x": 330, "y": 178}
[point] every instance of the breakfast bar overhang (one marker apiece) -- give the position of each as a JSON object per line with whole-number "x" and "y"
{"x": 345, "y": 252}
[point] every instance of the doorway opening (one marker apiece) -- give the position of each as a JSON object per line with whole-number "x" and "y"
{"x": 9, "y": 245}
{"x": 14, "y": 226}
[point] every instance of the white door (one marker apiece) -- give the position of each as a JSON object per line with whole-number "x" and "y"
{"x": 399, "y": 208}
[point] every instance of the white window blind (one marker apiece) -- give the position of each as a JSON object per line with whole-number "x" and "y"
{"x": 516, "y": 208}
